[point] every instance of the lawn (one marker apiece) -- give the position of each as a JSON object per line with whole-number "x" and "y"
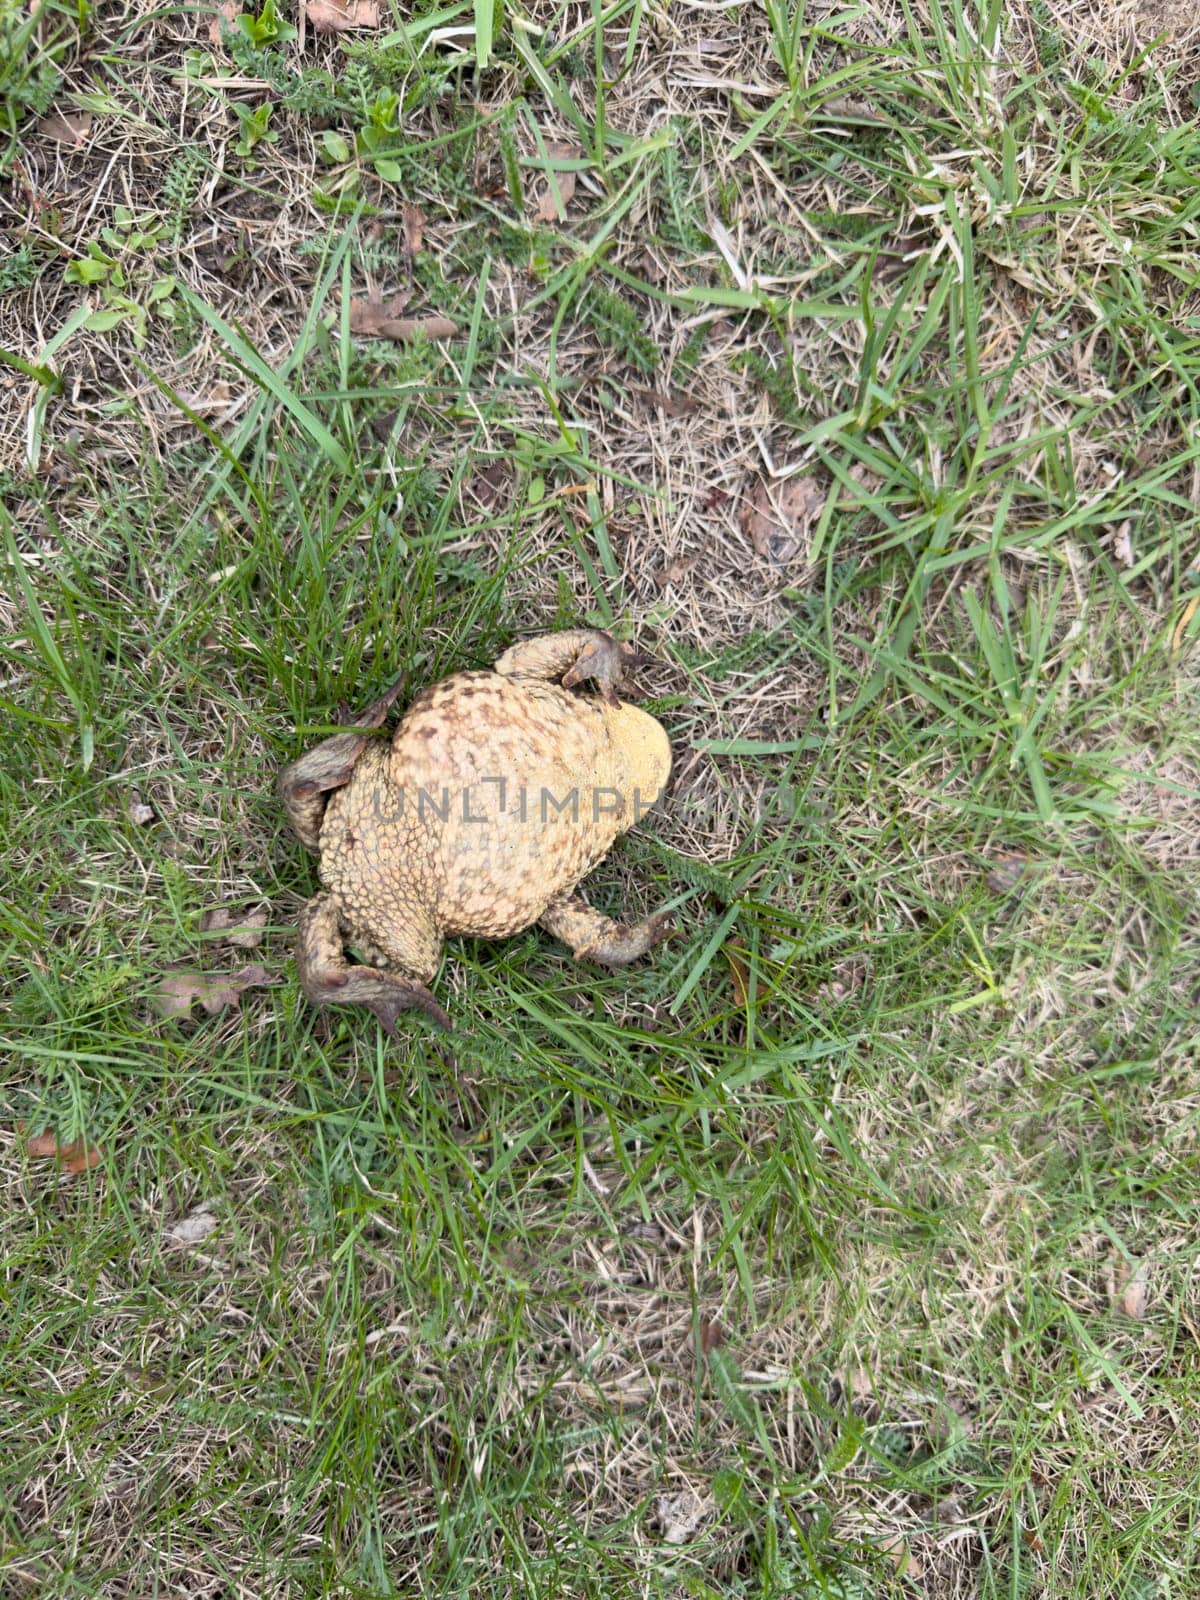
{"x": 847, "y": 359}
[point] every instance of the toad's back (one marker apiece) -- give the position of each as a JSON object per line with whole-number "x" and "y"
{"x": 512, "y": 768}
{"x": 498, "y": 795}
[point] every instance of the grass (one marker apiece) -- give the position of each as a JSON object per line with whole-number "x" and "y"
{"x": 847, "y": 1247}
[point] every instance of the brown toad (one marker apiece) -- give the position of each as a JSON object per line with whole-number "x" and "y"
{"x": 496, "y": 794}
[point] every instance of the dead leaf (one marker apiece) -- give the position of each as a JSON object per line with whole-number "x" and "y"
{"x": 560, "y": 186}
{"x": 228, "y": 11}
{"x": 379, "y": 319}
{"x": 651, "y": 268}
{"x": 1181, "y": 627}
{"x": 944, "y": 1513}
{"x": 671, "y": 405}
{"x": 194, "y": 1228}
{"x": 644, "y": 1231}
{"x": 739, "y": 973}
{"x": 414, "y": 228}
{"x": 897, "y": 255}
{"x": 75, "y": 1157}
{"x": 680, "y": 1515}
{"x": 240, "y": 928}
{"x": 841, "y": 987}
{"x": 712, "y": 1337}
{"x": 487, "y": 485}
{"x": 868, "y": 480}
{"x": 219, "y": 395}
{"x": 1006, "y": 871}
{"x": 778, "y": 517}
{"x": 67, "y": 127}
{"x": 179, "y": 991}
{"x": 342, "y": 16}
{"x": 137, "y": 810}
{"x": 1123, "y": 545}
{"x": 902, "y": 1558}
{"x": 1133, "y": 1295}
{"x": 675, "y": 573}
{"x": 371, "y": 310}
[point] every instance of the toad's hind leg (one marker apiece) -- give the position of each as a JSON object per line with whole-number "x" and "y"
{"x": 329, "y": 765}
{"x": 590, "y": 933}
{"x": 327, "y": 978}
{"x": 577, "y": 655}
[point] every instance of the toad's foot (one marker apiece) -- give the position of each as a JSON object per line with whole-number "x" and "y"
{"x": 590, "y": 933}
{"x": 327, "y": 978}
{"x": 579, "y": 655}
{"x": 329, "y": 765}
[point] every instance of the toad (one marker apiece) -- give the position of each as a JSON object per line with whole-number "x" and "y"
{"x": 496, "y": 794}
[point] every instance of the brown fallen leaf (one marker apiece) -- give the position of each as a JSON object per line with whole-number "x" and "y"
{"x": 947, "y": 1512}
{"x": 367, "y": 313}
{"x": 902, "y": 1558}
{"x": 843, "y": 986}
{"x": 1179, "y": 636}
{"x": 342, "y": 16}
{"x": 560, "y": 186}
{"x": 240, "y": 928}
{"x": 67, "y": 127}
{"x": 380, "y": 319}
{"x": 1133, "y": 1295}
{"x": 487, "y": 485}
{"x": 651, "y": 268}
{"x": 1122, "y": 548}
{"x": 227, "y": 11}
{"x": 75, "y": 1157}
{"x": 867, "y": 480}
{"x": 1006, "y": 871}
{"x": 680, "y": 1516}
{"x": 778, "y": 517}
{"x": 644, "y": 1230}
{"x": 739, "y": 973}
{"x": 671, "y": 405}
{"x": 712, "y": 1336}
{"x": 675, "y": 572}
{"x": 413, "y": 219}
{"x": 179, "y": 991}
{"x": 192, "y": 1229}
{"x": 897, "y": 254}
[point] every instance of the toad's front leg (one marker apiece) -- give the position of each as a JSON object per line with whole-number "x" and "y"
{"x": 590, "y": 933}
{"x": 305, "y": 782}
{"x": 327, "y": 978}
{"x": 578, "y": 655}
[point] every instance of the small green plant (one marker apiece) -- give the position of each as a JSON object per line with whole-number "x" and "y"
{"x": 122, "y": 266}
{"x": 335, "y": 147}
{"x": 181, "y": 186}
{"x": 19, "y": 269}
{"x": 379, "y": 134}
{"x": 342, "y": 190}
{"x": 254, "y": 128}
{"x": 314, "y": 93}
{"x": 267, "y": 28}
